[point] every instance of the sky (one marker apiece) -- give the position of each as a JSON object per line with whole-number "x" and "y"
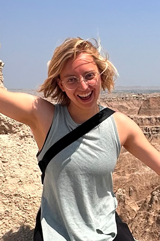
{"x": 129, "y": 31}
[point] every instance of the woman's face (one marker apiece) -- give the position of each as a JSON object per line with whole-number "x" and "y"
{"x": 84, "y": 95}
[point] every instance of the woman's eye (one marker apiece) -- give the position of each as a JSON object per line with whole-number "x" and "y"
{"x": 90, "y": 76}
{"x": 71, "y": 80}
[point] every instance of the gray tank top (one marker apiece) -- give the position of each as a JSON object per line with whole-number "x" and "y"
{"x": 78, "y": 203}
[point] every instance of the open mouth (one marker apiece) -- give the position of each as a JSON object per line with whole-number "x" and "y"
{"x": 85, "y": 96}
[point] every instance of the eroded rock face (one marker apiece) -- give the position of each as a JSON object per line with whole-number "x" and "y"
{"x": 127, "y": 103}
{"x": 136, "y": 186}
{"x": 1, "y": 74}
{"x": 137, "y": 190}
{"x": 144, "y": 109}
{"x": 150, "y": 107}
{"x": 131, "y": 104}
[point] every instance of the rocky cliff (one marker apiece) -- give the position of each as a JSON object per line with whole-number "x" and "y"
{"x": 136, "y": 186}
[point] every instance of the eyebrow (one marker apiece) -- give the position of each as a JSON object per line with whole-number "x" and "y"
{"x": 68, "y": 75}
{"x": 86, "y": 72}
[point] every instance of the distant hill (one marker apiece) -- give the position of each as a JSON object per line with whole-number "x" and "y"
{"x": 117, "y": 89}
{"x": 137, "y": 89}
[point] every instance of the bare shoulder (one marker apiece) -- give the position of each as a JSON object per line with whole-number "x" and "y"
{"x": 119, "y": 116}
{"x": 133, "y": 139}
{"x": 123, "y": 120}
{"x": 126, "y": 127}
{"x": 44, "y": 110}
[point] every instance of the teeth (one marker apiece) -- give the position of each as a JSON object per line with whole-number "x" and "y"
{"x": 85, "y": 95}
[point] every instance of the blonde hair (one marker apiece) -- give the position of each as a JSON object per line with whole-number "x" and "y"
{"x": 70, "y": 48}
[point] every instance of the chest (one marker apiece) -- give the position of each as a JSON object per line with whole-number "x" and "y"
{"x": 94, "y": 154}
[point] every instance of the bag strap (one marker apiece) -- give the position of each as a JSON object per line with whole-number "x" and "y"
{"x": 72, "y": 136}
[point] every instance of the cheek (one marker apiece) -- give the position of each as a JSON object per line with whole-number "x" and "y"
{"x": 69, "y": 93}
{"x": 99, "y": 84}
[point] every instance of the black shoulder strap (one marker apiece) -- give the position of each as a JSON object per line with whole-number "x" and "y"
{"x": 72, "y": 136}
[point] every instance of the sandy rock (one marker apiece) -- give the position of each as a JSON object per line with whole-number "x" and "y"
{"x": 150, "y": 106}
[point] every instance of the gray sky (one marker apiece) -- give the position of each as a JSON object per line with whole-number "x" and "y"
{"x": 129, "y": 32}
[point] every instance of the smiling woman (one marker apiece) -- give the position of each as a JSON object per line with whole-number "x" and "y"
{"x": 70, "y": 49}
{"x": 78, "y": 202}
{"x": 84, "y": 96}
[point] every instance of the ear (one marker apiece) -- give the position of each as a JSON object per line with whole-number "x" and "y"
{"x": 59, "y": 82}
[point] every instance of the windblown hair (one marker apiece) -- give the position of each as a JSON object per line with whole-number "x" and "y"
{"x": 71, "y": 48}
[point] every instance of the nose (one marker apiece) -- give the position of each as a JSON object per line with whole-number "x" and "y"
{"x": 83, "y": 85}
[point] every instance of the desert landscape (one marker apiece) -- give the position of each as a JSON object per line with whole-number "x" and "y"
{"x": 136, "y": 186}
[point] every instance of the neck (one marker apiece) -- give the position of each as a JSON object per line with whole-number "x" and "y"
{"x": 81, "y": 115}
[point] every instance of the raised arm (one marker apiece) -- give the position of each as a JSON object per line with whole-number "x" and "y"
{"x": 133, "y": 139}
{"x": 18, "y": 106}
{"x": 30, "y": 110}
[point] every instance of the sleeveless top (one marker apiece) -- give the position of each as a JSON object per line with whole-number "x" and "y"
{"x": 78, "y": 203}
